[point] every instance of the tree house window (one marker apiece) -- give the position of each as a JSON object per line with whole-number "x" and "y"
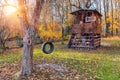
{"x": 90, "y": 19}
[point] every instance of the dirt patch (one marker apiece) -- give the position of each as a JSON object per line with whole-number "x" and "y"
{"x": 55, "y": 67}
{"x": 106, "y": 44}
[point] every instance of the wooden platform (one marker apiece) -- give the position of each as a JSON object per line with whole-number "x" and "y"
{"x": 86, "y": 42}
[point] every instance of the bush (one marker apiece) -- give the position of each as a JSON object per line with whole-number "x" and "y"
{"x": 4, "y": 35}
{"x": 50, "y": 32}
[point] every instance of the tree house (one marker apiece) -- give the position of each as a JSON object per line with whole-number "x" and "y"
{"x": 85, "y": 30}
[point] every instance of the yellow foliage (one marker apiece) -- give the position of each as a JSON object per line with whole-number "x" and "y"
{"x": 114, "y": 27}
{"x": 103, "y": 23}
{"x": 50, "y": 31}
{"x": 70, "y": 20}
{"x": 109, "y": 19}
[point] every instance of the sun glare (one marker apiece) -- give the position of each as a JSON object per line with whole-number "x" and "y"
{"x": 9, "y": 10}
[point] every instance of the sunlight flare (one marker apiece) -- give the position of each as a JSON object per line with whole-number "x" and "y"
{"x": 11, "y": 7}
{"x": 9, "y": 10}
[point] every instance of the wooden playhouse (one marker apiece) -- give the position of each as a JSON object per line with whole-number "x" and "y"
{"x": 86, "y": 30}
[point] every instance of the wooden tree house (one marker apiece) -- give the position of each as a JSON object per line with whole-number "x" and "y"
{"x": 86, "y": 29}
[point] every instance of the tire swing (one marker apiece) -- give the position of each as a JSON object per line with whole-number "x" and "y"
{"x": 47, "y": 50}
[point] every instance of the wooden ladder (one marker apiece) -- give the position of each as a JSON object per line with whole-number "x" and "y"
{"x": 70, "y": 41}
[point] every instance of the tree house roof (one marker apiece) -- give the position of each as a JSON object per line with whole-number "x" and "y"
{"x": 82, "y": 10}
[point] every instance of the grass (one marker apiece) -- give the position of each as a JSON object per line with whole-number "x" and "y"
{"x": 10, "y": 57}
{"x": 101, "y": 64}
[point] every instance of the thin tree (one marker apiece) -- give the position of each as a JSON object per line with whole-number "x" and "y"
{"x": 62, "y": 10}
{"x": 112, "y": 18}
{"x": 105, "y": 14}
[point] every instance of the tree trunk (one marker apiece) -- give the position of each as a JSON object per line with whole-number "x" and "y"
{"x": 62, "y": 35}
{"x": 106, "y": 25}
{"x": 29, "y": 25}
{"x": 28, "y": 42}
{"x": 112, "y": 31}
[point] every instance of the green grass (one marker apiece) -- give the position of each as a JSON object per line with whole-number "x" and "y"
{"x": 11, "y": 57}
{"x": 103, "y": 63}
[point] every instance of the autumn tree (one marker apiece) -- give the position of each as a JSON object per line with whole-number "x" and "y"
{"x": 29, "y": 21}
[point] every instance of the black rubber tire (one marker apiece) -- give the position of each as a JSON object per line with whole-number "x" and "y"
{"x": 44, "y": 47}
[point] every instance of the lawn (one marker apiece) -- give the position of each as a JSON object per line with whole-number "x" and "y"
{"x": 100, "y": 64}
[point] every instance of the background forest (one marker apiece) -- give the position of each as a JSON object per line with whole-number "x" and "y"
{"x": 56, "y": 19}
